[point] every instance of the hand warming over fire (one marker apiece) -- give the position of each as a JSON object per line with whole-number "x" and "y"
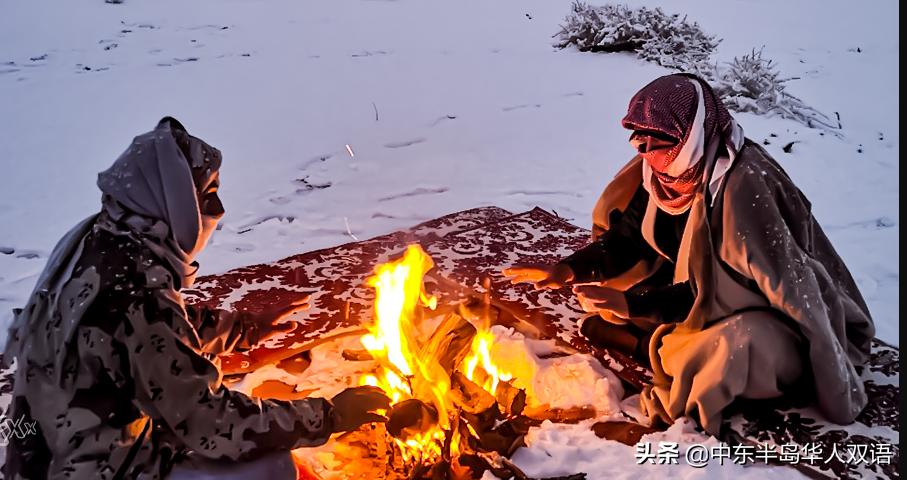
{"x": 357, "y": 406}
{"x": 594, "y": 299}
{"x": 540, "y": 275}
{"x": 267, "y": 323}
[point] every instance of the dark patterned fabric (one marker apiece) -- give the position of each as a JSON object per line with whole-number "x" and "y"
{"x": 867, "y": 448}
{"x": 139, "y": 388}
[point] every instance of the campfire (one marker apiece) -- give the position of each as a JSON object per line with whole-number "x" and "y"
{"x": 465, "y": 382}
{"x": 455, "y": 413}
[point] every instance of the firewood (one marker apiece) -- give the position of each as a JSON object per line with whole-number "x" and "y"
{"x": 570, "y": 415}
{"x": 504, "y": 438}
{"x": 510, "y": 398}
{"x": 627, "y": 433}
{"x": 468, "y": 467}
{"x": 410, "y": 417}
{"x": 468, "y": 396}
{"x": 450, "y": 343}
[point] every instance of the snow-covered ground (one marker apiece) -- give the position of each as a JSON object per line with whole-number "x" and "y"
{"x": 443, "y": 105}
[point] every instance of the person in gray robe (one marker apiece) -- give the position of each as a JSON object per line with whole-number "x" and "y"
{"x": 120, "y": 378}
{"x": 706, "y": 262}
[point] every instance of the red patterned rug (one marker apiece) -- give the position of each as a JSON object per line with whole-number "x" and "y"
{"x": 469, "y": 249}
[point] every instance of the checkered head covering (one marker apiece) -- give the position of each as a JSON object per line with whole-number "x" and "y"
{"x": 685, "y": 108}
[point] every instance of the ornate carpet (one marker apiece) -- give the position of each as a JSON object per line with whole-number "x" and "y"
{"x": 469, "y": 249}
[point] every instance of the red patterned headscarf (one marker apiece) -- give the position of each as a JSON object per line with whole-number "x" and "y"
{"x": 682, "y": 107}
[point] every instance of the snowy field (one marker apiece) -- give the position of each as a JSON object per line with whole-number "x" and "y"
{"x": 354, "y": 118}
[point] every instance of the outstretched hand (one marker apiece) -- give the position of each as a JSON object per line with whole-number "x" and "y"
{"x": 357, "y": 406}
{"x": 540, "y": 275}
{"x": 595, "y": 299}
{"x": 270, "y": 322}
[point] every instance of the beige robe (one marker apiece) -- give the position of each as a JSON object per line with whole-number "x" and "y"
{"x": 773, "y": 300}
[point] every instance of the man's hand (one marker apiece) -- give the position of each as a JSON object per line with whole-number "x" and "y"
{"x": 595, "y": 299}
{"x": 541, "y": 276}
{"x": 268, "y": 323}
{"x": 357, "y": 406}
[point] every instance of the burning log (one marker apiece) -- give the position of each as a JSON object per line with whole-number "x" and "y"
{"x": 468, "y": 396}
{"x": 560, "y": 415}
{"x": 411, "y": 417}
{"x": 450, "y": 343}
{"x": 510, "y": 398}
{"x": 453, "y": 406}
{"x": 492, "y": 434}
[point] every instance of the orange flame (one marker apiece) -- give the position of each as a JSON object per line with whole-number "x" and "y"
{"x": 404, "y": 373}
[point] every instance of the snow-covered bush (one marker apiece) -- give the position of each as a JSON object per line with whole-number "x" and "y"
{"x": 751, "y": 83}
{"x": 668, "y": 40}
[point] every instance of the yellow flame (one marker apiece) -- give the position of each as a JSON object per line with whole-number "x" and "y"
{"x": 392, "y": 340}
{"x": 481, "y": 355}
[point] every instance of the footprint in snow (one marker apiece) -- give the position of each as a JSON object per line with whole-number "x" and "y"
{"x": 315, "y": 161}
{"x": 404, "y": 143}
{"x": 177, "y": 61}
{"x": 208, "y": 27}
{"x": 443, "y": 118}
{"x": 243, "y": 248}
{"x": 541, "y": 193}
{"x": 519, "y": 107}
{"x": 26, "y": 254}
{"x": 415, "y": 193}
{"x": 369, "y": 53}
{"x": 308, "y": 186}
{"x": 86, "y": 69}
{"x": 879, "y": 223}
{"x": 251, "y": 225}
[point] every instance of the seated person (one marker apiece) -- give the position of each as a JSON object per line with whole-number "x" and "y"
{"x": 120, "y": 377}
{"x": 709, "y": 254}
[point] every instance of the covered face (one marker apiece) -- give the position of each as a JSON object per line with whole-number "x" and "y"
{"x": 204, "y": 161}
{"x": 165, "y": 186}
{"x": 677, "y": 122}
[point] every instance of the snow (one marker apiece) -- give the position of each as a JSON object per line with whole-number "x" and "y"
{"x": 560, "y": 382}
{"x": 328, "y": 374}
{"x": 579, "y": 450}
{"x": 341, "y": 118}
